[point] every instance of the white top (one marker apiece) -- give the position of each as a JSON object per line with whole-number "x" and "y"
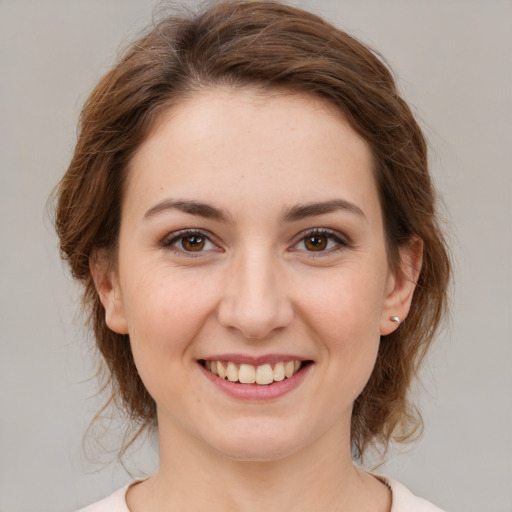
{"x": 403, "y": 501}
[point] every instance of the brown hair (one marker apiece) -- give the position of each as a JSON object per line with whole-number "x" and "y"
{"x": 269, "y": 45}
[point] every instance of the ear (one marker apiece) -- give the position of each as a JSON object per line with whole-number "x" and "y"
{"x": 401, "y": 284}
{"x": 107, "y": 286}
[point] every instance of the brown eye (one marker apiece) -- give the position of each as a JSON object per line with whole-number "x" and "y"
{"x": 190, "y": 243}
{"x": 316, "y": 242}
{"x": 322, "y": 242}
{"x": 193, "y": 243}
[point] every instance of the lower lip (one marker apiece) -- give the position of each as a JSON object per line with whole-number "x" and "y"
{"x": 257, "y": 392}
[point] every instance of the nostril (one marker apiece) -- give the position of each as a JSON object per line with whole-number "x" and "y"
{"x": 256, "y": 324}
{"x": 255, "y": 309}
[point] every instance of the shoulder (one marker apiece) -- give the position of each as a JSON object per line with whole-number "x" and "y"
{"x": 116, "y": 502}
{"x": 405, "y": 501}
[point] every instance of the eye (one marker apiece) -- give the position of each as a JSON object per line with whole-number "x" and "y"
{"x": 316, "y": 242}
{"x": 193, "y": 243}
{"x": 320, "y": 241}
{"x": 189, "y": 242}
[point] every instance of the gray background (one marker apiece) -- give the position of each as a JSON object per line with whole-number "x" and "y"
{"x": 453, "y": 59}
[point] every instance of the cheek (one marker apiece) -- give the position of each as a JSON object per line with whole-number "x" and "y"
{"x": 345, "y": 304}
{"x": 343, "y": 312}
{"x": 164, "y": 315}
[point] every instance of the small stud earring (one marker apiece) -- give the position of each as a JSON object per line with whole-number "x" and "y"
{"x": 395, "y": 319}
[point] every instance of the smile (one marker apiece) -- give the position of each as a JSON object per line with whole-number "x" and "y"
{"x": 262, "y": 375}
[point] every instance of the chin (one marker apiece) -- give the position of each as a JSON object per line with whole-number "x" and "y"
{"x": 257, "y": 452}
{"x": 260, "y": 444}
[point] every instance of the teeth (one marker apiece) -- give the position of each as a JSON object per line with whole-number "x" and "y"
{"x": 249, "y": 374}
{"x": 264, "y": 374}
{"x": 289, "y": 368}
{"x": 232, "y": 372}
{"x": 279, "y": 372}
{"x": 221, "y": 369}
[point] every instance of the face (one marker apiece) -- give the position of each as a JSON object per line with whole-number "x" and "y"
{"x": 252, "y": 245}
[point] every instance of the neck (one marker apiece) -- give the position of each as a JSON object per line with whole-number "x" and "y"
{"x": 316, "y": 477}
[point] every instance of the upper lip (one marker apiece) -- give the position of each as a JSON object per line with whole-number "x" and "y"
{"x": 254, "y": 360}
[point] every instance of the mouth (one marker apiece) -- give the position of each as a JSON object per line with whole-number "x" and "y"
{"x": 260, "y": 375}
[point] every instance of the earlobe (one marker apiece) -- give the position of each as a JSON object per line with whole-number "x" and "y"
{"x": 401, "y": 286}
{"x": 107, "y": 286}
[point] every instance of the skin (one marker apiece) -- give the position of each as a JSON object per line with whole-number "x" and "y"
{"x": 255, "y": 287}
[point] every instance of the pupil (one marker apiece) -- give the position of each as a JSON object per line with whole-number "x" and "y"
{"x": 193, "y": 243}
{"x": 316, "y": 243}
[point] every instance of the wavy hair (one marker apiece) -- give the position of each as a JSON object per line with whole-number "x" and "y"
{"x": 270, "y": 45}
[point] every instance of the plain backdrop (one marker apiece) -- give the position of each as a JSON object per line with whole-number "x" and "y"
{"x": 454, "y": 63}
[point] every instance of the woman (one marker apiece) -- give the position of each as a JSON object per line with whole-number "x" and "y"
{"x": 250, "y": 212}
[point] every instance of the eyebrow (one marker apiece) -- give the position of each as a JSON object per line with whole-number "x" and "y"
{"x": 295, "y": 213}
{"x": 193, "y": 207}
{"x": 300, "y": 212}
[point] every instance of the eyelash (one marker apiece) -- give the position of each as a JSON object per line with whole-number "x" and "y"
{"x": 173, "y": 238}
{"x": 341, "y": 242}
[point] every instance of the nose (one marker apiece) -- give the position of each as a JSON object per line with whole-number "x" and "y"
{"x": 254, "y": 300}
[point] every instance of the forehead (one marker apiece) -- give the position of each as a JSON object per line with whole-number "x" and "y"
{"x": 232, "y": 145}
